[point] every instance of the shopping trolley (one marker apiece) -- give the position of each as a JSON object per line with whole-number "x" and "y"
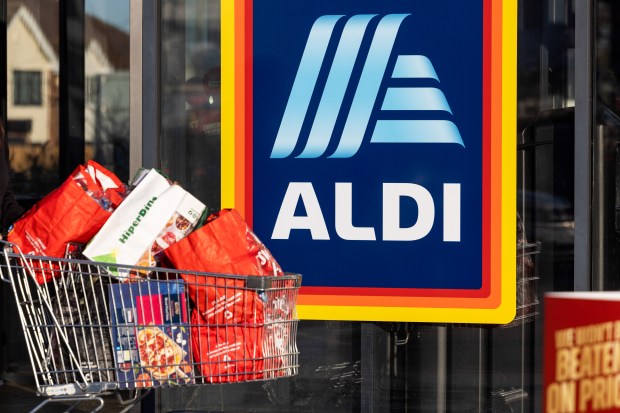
{"x": 97, "y": 329}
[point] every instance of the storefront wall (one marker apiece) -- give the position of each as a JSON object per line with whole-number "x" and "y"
{"x": 350, "y": 366}
{"x": 151, "y": 81}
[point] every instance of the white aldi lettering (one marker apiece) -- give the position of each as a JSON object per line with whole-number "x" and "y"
{"x": 314, "y": 220}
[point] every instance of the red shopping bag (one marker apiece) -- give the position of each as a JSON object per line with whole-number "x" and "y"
{"x": 224, "y": 300}
{"x": 225, "y": 244}
{"x": 72, "y": 213}
{"x": 226, "y": 353}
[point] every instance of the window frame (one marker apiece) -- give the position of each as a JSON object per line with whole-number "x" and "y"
{"x": 30, "y": 81}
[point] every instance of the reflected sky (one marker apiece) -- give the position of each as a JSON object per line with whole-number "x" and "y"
{"x": 114, "y": 12}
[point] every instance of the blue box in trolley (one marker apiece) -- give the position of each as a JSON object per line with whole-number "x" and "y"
{"x": 150, "y": 334}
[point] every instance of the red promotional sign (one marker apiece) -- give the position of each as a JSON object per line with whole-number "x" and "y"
{"x": 582, "y": 352}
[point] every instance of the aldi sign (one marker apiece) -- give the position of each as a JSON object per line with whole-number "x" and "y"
{"x": 372, "y": 147}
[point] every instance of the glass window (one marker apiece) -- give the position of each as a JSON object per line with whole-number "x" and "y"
{"x": 27, "y": 88}
{"x": 32, "y": 112}
{"x": 32, "y": 96}
{"x": 606, "y": 137}
{"x": 32, "y": 50}
{"x": 190, "y": 152}
{"x": 106, "y": 71}
{"x": 190, "y": 147}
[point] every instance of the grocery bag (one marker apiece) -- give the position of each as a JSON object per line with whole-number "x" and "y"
{"x": 225, "y": 244}
{"x": 72, "y": 213}
{"x": 224, "y": 300}
{"x": 227, "y": 354}
{"x": 138, "y": 221}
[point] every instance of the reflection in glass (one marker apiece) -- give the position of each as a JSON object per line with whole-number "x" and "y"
{"x": 32, "y": 96}
{"x": 606, "y": 156}
{"x": 27, "y": 90}
{"x": 33, "y": 91}
{"x": 510, "y": 362}
{"x": 106, "y": 69}
{"x": 545, "y": 196}
{"x": 190, "y": 148}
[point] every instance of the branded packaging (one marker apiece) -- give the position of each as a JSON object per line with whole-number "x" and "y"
{"x": 224, "y": 245}
{"x": 72, "y": 213}
{"x": 132, "y": 229}
{"x": 150, "y": 334}
{"x": 178, "y": 227}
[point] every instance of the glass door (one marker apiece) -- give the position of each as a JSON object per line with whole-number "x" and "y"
{"x": 65, "y": 101}
{"x": 190, "y": 145}
{"x": 32, "y": 132}
{"x": 605, "y": 141}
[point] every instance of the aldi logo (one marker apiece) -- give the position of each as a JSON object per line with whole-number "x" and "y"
{"x": 372, "y": 148}
{"x": 403, "y": 130}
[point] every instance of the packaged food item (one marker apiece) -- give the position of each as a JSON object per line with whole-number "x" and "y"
{"x": 182, "y": 222}
{"x": 150, "y": 335}
{"x": 132, "y": 229}
{"x": 72, "y": 213}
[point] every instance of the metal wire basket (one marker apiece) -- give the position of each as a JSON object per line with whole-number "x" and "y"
{"x": 90, "y": 331}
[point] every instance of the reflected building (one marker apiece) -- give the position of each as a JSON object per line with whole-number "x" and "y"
{"x": 33, "y": 93}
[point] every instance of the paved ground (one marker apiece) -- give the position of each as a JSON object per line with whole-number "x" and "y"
{"x": 17, "y": 395}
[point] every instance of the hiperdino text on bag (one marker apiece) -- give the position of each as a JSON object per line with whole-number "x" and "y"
{"x": 141, "y": 214}
{"x": 107, "y": 246}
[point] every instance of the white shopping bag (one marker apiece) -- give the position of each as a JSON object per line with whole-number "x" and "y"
{"x": 183, "y": 221}
{"x": 137, "y": 222}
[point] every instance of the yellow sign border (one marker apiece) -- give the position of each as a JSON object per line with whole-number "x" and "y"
{"x": 233, "y": 75}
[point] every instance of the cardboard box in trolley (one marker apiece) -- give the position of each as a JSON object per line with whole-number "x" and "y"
{"x": 150, "y": 334}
